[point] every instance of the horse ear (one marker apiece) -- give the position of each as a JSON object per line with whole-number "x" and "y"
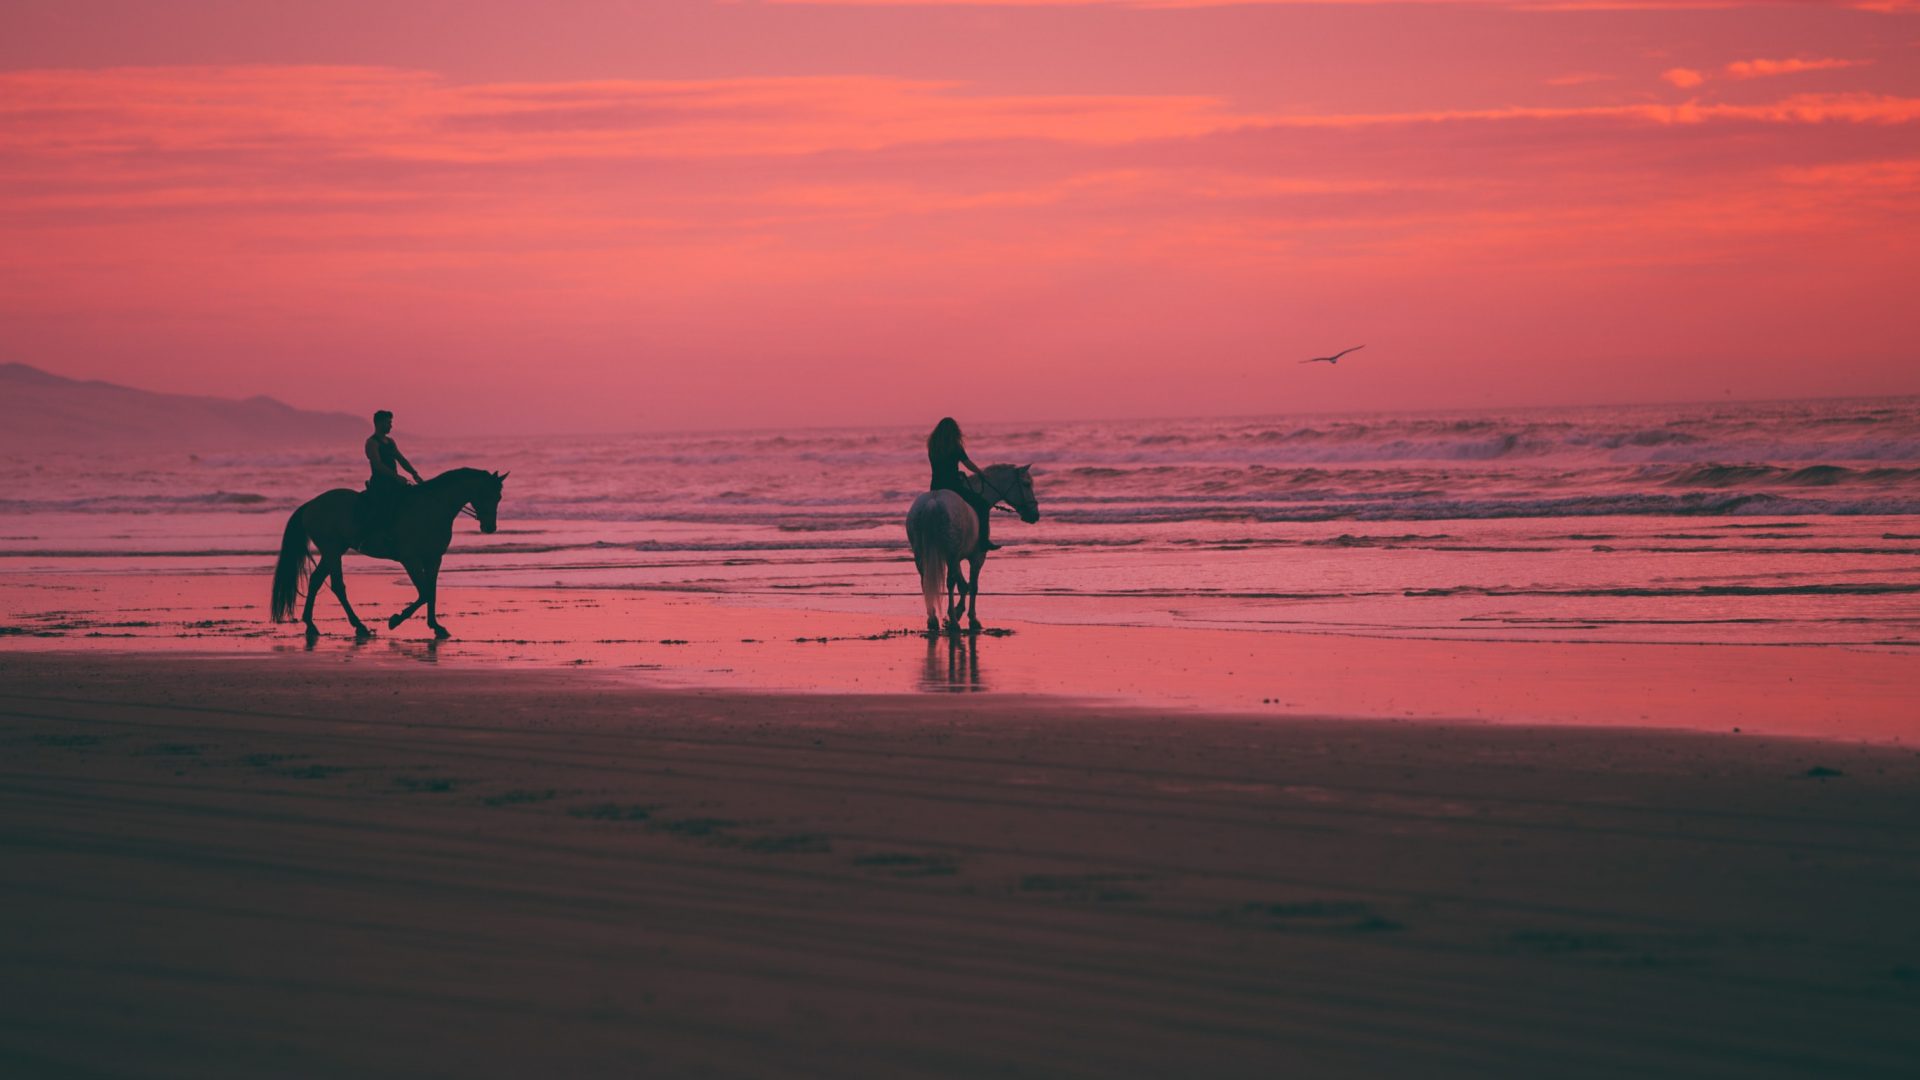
{"x": 1027, "y": 468}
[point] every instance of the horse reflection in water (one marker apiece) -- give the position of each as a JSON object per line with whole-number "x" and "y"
{"x": 426, "y": 651}
{"x": 953, "y": 664}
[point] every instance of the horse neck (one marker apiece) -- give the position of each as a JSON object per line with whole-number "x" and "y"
{"x": 450, "y": 491}
{"x": 995, "y": 482}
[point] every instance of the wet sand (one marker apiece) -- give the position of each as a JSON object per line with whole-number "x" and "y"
{"x": 697, "y": 640}
{"x": 309, "y": 864}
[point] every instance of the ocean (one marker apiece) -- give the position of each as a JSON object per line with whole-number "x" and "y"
{"x": 1780, "y": 523}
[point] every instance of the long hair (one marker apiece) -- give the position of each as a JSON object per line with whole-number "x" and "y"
{"x": 946, "y": 438}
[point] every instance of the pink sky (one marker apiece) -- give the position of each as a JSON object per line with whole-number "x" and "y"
{"x": 609, "y": 215}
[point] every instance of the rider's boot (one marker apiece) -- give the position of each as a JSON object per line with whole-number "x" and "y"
{"x": 986, "y": 529}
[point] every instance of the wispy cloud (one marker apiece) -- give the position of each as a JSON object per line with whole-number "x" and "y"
{"x": 415, "y": 115}
{"x": 1756, "y": 69}
{"x": 1688, "y": 78}
{"x": 193, "y": 122}
{"x": 866, "y": 208}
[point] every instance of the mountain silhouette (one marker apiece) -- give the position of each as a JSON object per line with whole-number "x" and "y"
{"x": 43, "y": 411}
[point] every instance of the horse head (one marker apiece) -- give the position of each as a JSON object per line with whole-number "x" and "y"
{"x": 486, "y": 489}
{"x": 1014, "y": 484}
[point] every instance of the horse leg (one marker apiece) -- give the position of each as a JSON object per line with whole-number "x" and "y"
{"x": 956, "y": 593}
{"x": 314, "y": 579}
{"x": 931, "y": 586}
{"x": 431, "y": 579}
{"x": 420, "y": 597}
{"x": 973, "y": 592}
{"x": 340, "y": 592}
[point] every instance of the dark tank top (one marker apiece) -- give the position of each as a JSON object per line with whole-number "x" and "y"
{"x": 385, "y": 445}
{"x": 946, "y": 470}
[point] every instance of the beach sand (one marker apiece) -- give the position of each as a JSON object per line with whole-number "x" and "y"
{"x": 305, "y": 865}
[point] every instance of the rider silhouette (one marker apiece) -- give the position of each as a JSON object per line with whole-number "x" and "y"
{"x": 946, "y": 452}
{"x": 385, "y": 488}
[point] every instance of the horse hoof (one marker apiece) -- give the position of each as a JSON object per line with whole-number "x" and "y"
{"x": 313, "y": 631}
{"x": 393, "y": 622}
{"x": 933, "y": 626}
{"x": 441, "y": 633}
{"x": 361, "y": 633}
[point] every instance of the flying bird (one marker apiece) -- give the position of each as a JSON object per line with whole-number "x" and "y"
{"x": 1335, "y": 358}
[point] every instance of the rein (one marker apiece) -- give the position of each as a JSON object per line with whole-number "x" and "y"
{"x": 1002, "y": 496}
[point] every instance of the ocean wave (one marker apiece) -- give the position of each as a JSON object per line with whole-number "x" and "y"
{"x": 135, "y": 504}
{"x": 1693, "y": 504}
{"x": 1723, "y": 476}
{"x": 1867, "y": 588}
{"x": 1783, "y": 452}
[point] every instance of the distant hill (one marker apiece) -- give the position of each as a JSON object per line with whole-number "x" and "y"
{"x": 43, "y": 411}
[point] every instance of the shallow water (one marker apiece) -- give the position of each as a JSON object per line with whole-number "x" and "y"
{"x": 1776, "y": 523}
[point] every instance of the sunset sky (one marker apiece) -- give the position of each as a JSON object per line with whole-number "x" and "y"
{"x": 601, "y": 215}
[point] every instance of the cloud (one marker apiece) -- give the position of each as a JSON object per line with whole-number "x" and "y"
{"x": 1756, "y": 69}
{"x": 266, "y": 176}
{"x": 351, "y": 215}
{"x": 417, "y": 115}
{"x": 1688, "y": 78}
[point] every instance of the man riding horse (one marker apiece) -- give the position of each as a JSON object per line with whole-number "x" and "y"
{"x": 386, "y": 491}
{"x": 411, "y": 524}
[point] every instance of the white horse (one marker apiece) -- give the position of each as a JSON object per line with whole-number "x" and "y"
{"x": 943, "y": 530}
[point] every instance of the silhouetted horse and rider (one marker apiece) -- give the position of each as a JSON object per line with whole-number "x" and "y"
{"x": 950, "y": 523}
{"x": 412, "y": 524}
{"x": 408, "y": 524}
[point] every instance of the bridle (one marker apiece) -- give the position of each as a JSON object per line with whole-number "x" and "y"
{"x": 1002, "y": 496}
{"x": 467, "y": 510}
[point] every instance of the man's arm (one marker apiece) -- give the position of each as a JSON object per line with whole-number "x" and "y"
{"x": 404, "y": 463}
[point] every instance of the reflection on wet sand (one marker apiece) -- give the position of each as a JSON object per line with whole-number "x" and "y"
{"x": 953, "y": 664}
{"x": 425, "y": 651}
{"x": 420, "y": 651}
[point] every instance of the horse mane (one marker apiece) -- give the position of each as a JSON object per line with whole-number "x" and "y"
{"x": 978, "y": 483}
{"x": 453, "y": 476}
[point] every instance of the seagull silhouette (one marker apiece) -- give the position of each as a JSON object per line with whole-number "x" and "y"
{"x": 1335, "y": 358}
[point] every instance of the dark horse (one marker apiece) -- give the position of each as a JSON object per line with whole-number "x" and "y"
{"x": 420, "y": 532}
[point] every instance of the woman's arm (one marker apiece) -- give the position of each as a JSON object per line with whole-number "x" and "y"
{"x": 968, "y": 462}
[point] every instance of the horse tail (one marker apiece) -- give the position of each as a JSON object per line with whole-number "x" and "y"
{"x": 927, "y": 530}
{"x": 291, "y": 567}
{"x": 933, "y": 581}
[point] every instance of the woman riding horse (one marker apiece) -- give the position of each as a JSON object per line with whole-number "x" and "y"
{"x": 946, "y": 452}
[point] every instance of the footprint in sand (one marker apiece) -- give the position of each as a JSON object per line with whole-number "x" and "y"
{"x": 1317, "y": 916}
{"x": 1098, "y": 888}
{"x": 903, "y": 865}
